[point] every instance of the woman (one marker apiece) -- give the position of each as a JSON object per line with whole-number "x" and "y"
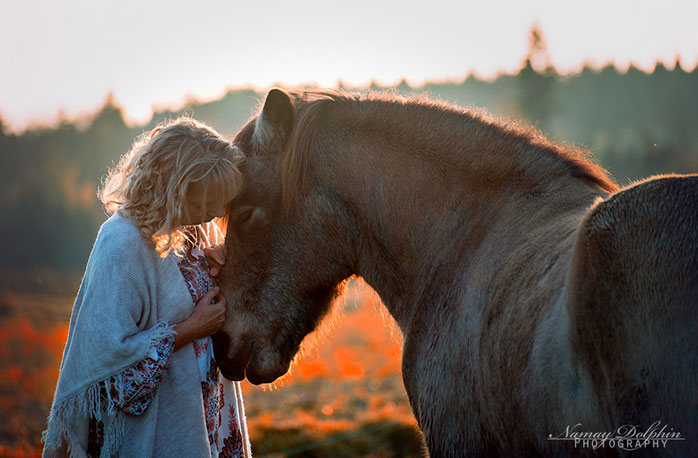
{"x": 138, "y": 376}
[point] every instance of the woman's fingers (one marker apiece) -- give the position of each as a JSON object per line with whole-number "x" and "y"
{"x": 216, "y": 253}
{"x": 209, "y": 314}
{"x": 222, "y": 305}
{"x": 210, "y": 295}
{"x": 216, "y": 258}
{"x": 215, "y": 268}
{"x": 221, "y": 299}
{"x": 219, "y": 316}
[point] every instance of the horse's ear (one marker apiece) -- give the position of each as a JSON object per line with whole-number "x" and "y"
{"x": 274, "y": 124}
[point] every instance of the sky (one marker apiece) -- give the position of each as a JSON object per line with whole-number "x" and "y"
{"x": 63, "y": 57}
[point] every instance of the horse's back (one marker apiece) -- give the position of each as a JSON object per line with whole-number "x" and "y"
{"x": 634, "y": 306}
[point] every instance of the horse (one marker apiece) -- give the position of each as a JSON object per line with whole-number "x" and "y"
{"x": 539, "y": 304}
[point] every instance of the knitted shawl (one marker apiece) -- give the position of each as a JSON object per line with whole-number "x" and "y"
{"x": 128, "y": 301}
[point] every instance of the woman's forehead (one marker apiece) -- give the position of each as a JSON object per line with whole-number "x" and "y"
{"x": 206, "y": 188}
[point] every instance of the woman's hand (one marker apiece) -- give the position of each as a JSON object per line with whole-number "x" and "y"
{"x": 206, "y": 319}
{"x": 216, "y": 258}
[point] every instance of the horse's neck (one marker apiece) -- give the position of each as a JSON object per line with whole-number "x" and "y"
{"x": 422, "y": 222}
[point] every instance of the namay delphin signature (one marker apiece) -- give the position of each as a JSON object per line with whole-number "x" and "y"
{"x": 626, "y": 437}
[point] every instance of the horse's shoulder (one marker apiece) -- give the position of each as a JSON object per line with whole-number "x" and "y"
{"x": 632, "y": 293}
{"x": 641, "y": 235}
{"x": 654, "y": 210}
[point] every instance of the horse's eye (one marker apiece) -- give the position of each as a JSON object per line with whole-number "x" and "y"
{"x": 244, "y": 215}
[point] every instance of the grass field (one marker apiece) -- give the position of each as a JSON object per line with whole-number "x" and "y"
{"x": 343, "y": 397}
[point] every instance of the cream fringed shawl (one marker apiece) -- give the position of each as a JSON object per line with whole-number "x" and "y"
{"x": 128, "y": 301}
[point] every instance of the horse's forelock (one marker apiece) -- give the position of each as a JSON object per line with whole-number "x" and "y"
{"x": 296, "y": 154}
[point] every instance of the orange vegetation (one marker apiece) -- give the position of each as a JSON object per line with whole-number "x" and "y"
{"x": 29, "y": 362}
{"x": 348, "y": 377}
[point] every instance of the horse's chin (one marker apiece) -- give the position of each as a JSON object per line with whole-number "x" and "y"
{"x": 259, "y": 378}
{"x": 266, "y": 368}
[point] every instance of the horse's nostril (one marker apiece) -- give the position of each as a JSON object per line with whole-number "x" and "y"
{"x": 233, "y": 364}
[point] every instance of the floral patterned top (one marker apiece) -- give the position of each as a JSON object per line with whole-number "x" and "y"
{"x": 224, "y": 422}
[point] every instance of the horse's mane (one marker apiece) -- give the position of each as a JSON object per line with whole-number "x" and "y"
{"x": 312, "y": 107}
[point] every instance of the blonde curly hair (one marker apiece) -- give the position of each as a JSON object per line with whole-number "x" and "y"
{"x": 151, "y": 181}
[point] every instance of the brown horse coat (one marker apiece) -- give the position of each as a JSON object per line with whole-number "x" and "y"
{"x": 532, "y": 295}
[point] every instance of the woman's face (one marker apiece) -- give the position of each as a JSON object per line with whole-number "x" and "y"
{"x": 201, "y": 206}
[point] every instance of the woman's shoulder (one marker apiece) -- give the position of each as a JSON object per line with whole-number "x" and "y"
{"x": 119, "y": 229}
{"x": 120, "y": 238}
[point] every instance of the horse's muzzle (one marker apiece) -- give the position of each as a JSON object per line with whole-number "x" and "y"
{"x": 233, "y": 368}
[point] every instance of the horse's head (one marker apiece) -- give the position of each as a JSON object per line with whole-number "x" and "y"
{"x": 283, "y": 265}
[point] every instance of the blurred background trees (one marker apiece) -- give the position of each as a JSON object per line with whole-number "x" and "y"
{"x": 636, "y": 124}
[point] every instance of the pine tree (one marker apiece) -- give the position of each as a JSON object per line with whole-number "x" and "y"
{"x": 536, "y": 82}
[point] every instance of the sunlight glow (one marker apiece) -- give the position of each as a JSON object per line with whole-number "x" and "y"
{"x": 67, "y": 55}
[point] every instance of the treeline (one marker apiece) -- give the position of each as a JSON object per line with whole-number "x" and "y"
{"x": 636, "y": 123}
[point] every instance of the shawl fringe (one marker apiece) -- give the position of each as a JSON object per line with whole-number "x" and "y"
{"x": 96, "y": 400}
